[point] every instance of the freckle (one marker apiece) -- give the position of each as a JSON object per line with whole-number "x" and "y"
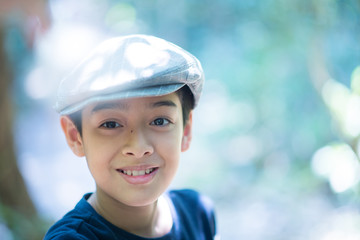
{"x": 132, "y": 131}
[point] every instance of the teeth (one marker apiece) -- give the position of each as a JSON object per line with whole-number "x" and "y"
{"x": 138, "y": 173}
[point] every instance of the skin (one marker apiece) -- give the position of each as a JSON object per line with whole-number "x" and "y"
{"x": 132, "y": 134}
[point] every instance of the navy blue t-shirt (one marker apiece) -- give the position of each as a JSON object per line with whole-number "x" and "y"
{"x": 193, "y": 219}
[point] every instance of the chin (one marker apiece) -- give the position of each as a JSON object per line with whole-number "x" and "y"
{"x": 140, "y": 201}
{"x": 138, "y": 197}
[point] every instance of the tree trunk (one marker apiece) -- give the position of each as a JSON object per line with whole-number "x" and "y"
{"x": 16, "y": 206}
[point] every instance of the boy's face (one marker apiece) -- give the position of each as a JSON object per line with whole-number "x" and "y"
{"x": 132, "y": 146}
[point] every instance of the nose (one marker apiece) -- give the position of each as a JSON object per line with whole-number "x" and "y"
{"x": 137, "y": 145}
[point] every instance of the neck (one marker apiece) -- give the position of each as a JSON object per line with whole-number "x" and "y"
{"x": 150, "y": 221}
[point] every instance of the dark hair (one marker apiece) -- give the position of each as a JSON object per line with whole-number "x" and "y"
{"x": 187, "y": 102}
{"x": 184, "y": 94}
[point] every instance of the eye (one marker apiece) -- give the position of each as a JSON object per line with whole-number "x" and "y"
{"x": 110, "y": 125}
{"x": 160, "y": 122}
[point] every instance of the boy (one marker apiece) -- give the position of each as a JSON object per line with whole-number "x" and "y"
{"x": 128, "y": 109}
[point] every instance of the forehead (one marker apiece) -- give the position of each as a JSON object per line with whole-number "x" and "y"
{"x": 170, "y": 100}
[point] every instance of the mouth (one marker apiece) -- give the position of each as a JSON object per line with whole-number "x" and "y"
{"x": 136, "y": 173}
{"x": 139, "y": 175}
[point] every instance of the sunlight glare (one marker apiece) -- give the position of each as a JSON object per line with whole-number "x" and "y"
{"x": 140, "y": 55}
{"x": 337, "y": 163}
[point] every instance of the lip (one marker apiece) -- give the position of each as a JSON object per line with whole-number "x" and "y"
{"x": 138, "y": 180}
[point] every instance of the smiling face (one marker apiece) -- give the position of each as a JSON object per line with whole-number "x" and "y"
{"x": 132, "y": 146}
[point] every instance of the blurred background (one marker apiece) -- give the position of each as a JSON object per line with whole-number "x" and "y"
{"x": 276, "y": 133}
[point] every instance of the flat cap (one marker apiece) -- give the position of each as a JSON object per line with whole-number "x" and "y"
{"x": 128, "y": 67}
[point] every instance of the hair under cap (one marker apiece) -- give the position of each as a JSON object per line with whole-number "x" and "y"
{"x": 128, "y": 67}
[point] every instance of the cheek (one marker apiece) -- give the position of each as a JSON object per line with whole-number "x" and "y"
{"x": 169, "y": 142}
{"x": 168, "y": 147}
{"x": 99, "y": 153}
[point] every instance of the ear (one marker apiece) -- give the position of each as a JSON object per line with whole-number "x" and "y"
{"x": 187, "y": 135}
{"x": 72, "y": 136}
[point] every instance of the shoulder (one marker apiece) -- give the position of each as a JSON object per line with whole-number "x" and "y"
{"x": 74, "y": 225}
{"x": 192, "y": 198}
{"x": 195, "y": 210}
{"x": 67, "y": 228}
{"x": 66, "y": 236}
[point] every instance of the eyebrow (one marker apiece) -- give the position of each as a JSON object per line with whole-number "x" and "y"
{"x": 109, "y": 105}
{"x": 124, "y": 106}
{"x": 166, "y": 103}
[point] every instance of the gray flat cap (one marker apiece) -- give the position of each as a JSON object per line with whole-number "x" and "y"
{"x": 128, "y": 67}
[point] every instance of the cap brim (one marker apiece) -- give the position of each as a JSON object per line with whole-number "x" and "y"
{"x": 133, "y": 93}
